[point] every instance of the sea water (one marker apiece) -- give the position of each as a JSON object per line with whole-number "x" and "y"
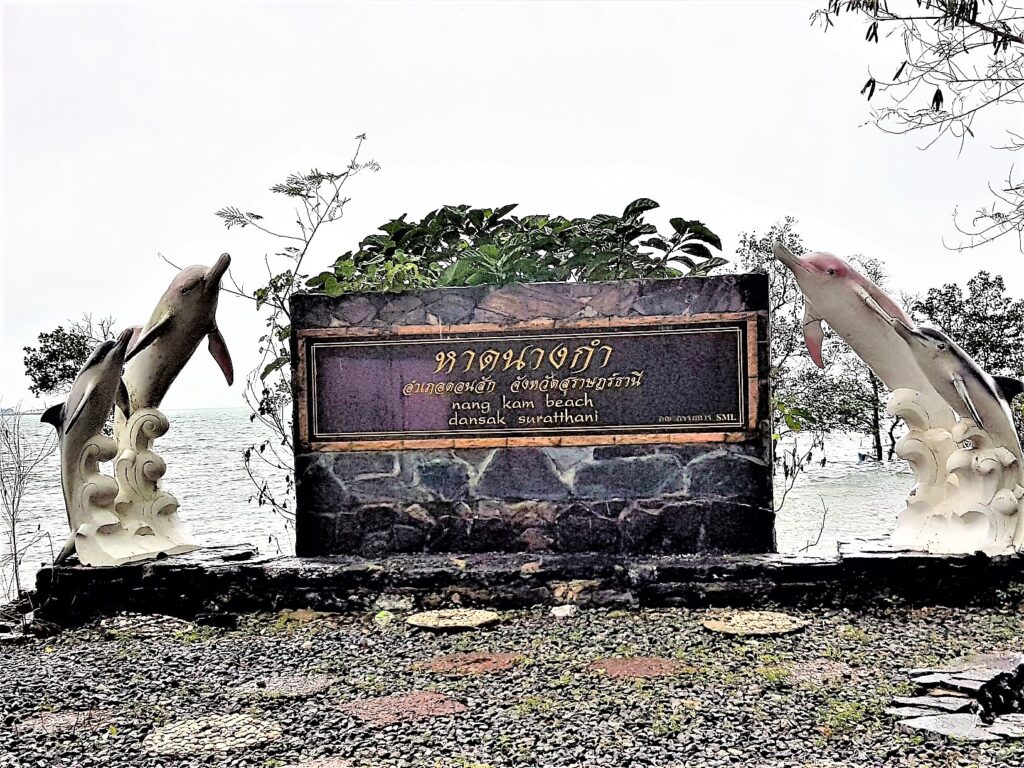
{"x": 840, "y": 500}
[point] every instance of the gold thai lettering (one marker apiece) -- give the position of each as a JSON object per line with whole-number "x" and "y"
{"x": 552, "y": 383}
{"x": 577, "y": 359}
{"x": 539, "y": 361}
{"x": 445, "y": 362}
{"x": 558, "y": 355}
{"x": 510, "y": 360}
{"x": 489, "y": 360}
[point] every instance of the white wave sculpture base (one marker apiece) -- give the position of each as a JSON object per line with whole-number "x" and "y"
{"x": 98, "y": 536}
{"x": 148, "y": 513}
{"x": 969, "y": 495}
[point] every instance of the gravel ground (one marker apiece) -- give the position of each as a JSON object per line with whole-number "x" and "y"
{"x": 285, "y": 690}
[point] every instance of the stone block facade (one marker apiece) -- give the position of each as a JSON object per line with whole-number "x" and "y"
{"x": 679, "y": 498}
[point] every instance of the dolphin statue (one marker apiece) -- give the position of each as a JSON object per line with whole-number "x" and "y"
{"x": 183, "y": 316}
{"x": 862, "y": 314}
{"x": 968, "y": 389}
{"x": 81, "y": 417}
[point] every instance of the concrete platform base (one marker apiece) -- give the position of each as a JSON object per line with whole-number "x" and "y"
{"x": 230, "y": 580}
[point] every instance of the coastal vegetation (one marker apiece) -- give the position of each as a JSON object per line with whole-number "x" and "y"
{"x": 955, "y": 65}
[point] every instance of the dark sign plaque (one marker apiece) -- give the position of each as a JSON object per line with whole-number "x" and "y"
{"x": 560, "y": 387}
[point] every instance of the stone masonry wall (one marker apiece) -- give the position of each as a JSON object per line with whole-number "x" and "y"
{"x": 678, "y": 498}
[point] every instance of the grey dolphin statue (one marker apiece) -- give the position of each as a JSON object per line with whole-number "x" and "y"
{"x": 82, "y": 416}
{"x": 969, "y": 390}
{"x": 184, "y": 315}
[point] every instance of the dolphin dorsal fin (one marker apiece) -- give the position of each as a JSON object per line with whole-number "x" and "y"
{"x": 1009, "y": 386}
{"x": 53, "y": 415}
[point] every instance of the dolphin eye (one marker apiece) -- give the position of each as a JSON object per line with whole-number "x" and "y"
{"x": 190, "y": 285}
{"x": 831, "y": 271}
{"x": 940, "y": 346}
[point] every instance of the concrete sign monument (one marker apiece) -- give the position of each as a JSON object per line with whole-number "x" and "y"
{"x": 625, "y": 417}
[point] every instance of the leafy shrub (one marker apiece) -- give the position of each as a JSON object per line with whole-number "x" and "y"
{"x": 459, "y": 245}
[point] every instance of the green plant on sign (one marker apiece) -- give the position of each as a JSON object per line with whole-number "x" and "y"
{"x": 457, "y": 245}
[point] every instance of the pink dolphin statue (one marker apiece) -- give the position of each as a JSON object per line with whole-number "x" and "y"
{"x": 862, "y": 314}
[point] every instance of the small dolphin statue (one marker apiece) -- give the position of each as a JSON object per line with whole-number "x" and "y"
{"x": 969, "y": 390}
{"x": 183, "y": 316}
{"x": 81, "y": 417}
{"x": 862, "y": 314}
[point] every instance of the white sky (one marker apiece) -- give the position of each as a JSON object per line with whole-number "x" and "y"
{"x": 126, "y": 126}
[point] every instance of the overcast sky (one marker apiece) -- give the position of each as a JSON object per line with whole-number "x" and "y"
{"x": 126, "y": 126}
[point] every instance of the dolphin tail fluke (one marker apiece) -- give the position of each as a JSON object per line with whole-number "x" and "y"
{"x": 813, "y": 338}
{"x": 67, "y": 550}
{"x": 1009, "y": 386}
{"x": 219, "y": 350}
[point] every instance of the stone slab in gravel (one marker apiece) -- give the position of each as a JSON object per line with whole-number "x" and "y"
{"x": 453, "y": 619}
{"x": 287, "y": 686}
{"x": 639, "y": 667}
{"x": 945, "y": 703}
{"x": 954, "y": 682}
{"x": 962, "y": 726}
{"x": 754, "y": 623}
{"x": 1008, "y": 726}
{"x": 137, "y": 625}
{"x": 404, "y": 707}
{"x": 908, "y": 712}
{"x": 820, "y": 671}
{"x": 213, "y": 733}
{"x": 474, "y": 663}
{"x": 67, "y": 721}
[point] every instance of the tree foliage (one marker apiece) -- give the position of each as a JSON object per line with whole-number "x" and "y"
{"x": 461, "y": 245}
{"x": 318, "y": 198}
{"x": 53, "y": 363}
{"x": 985, "y": 321}
{"x": 956, "y": 60}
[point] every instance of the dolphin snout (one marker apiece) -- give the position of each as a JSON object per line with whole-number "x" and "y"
{"x": 216, "y": 272}
{"x": 124, "y": 339}
{"x": 904, "y": 331}
{"x": 787, "y": 257}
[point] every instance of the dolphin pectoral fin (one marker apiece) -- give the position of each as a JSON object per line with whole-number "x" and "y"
{"x": 136, "y": 333}
{"x": 148, "y": 337}
{"x": 875, "y": 307}
{"x": 122, "y": 400}
{"x": 1009, "y": 386}
{"x": 961, "y": 389}
{"x": 53, "y": 415}
{"x": 219, "y": 350}
{"x": 813, "y": 337}
{"x": 82, "y": 403}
